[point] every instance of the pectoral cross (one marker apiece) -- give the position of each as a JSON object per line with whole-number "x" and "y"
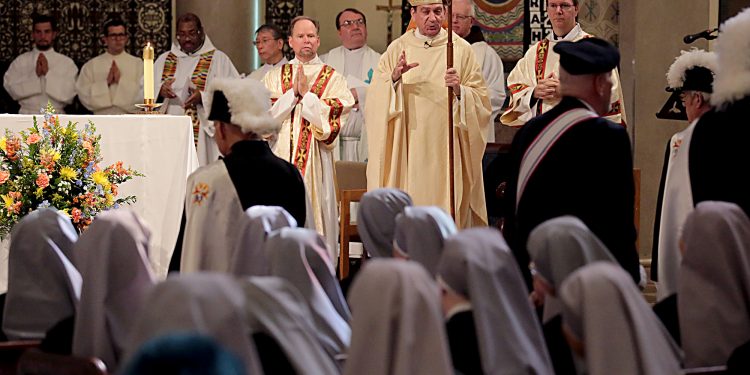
{"x": 389, "y": 9}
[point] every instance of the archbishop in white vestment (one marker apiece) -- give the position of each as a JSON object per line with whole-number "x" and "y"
{"x": 194, "y": 71}
{"x": 407, "y": 126}
{"x": 358, "y": 67}
{"x": 308, "y": 134}
{"x": 523, "y": 80}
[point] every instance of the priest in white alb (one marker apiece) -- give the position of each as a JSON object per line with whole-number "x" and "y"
{"x": 183, "y": 73}
{"x": 534, "y": 83}
{"x": 407, "y": 119}
{"x": 313, "y": 101}
{"x": 110, "y": 84}
{"x": 356, "y": 61}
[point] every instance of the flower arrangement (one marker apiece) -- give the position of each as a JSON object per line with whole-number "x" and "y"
{"x": 55, "y": 165}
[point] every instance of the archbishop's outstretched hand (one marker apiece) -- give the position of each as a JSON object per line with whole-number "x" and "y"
{"x": 402, "y": 67}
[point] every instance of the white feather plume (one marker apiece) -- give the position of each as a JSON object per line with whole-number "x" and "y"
{"x": 732, "y": 81}
{"x": 686, "y": 61}
{"x": 249, "y": 104}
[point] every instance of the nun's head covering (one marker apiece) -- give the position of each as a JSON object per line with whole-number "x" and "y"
{"x": 248, "y": 258}
{"x": 43, "y": 284}
{"x": 275, "y": 308}
{"x": 210, "y": 304}
{"x": 420, "y": 232}
{"x": 603, "y": 308}
{"x": 714, "y": 284}
{"x": 478, "y": 264}
{"x": 300, "y": 256}
{"x": 560, "y": 246}
{"x": 184, "y": 353}
{"x": 112, "y": 256}
{"x": 376, "y": 219}
{"x": 397, "y": 324}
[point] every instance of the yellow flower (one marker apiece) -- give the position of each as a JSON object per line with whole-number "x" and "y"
{"x": 3, "y": 144}
{"x": 68, "y": 173}
{"x": 100, "y": 179}
{"x": 110, "y": 198}
{"x": 7, "y": 201}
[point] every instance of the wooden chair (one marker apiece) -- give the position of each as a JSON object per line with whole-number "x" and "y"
{"x": 10, "y": 353}
{"x": 351, "y": 185}
{"x": 34, "y": 362}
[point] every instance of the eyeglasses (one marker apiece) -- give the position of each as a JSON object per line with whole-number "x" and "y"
{"x": 263, "y": 41}
{"x": 461, "y": 18}
{"x": 190, "y": 35}
{"x": 563, "y": 7}
{"x": 351, "y": 23}
{"x": 117, "y": 36}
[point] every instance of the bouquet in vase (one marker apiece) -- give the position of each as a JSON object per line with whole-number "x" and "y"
{"x": 56, "y": 165}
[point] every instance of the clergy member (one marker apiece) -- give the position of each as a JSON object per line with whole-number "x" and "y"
{"x": 219, "y": 193}
{"x": 313, "y": 102}
{"x": 571, "y": 161}
{"x": 269, "y": 41}
{"x": 183, "y": 73}
{"x": 464, "y": 15}
{"x": 407, "y": 119}
{"x": 110, "y": 84}
{"x": 535, "y": 88}
{"x": 356, "y": 61}
{"x": 41, "y": 75}
{"x": 692, "y": 75}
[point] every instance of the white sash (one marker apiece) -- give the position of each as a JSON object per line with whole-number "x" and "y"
{"x": 544, "y": 141}
{"x": 214, "y": 216}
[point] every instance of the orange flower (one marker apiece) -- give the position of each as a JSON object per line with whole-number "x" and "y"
{"x": 33, "y": 138}
{"x": 4, "y": 176}
{"x": 12, "y": 146}
{"x": 42, "y": 180}
{"x": 114, "y": 189}
{"x": 75, "y": 215}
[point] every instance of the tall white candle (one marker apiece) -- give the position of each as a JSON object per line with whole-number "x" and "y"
{"x": 148, "y": 71}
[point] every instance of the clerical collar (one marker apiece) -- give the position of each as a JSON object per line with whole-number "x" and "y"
{"x": 355, "y": 50}
{"x": 421, "y": 36}
{"x": 316, "y": 60}
{"x": 590, "y": 108}
{"x": 457, "y": 309}
{"x": 569, "y": 37}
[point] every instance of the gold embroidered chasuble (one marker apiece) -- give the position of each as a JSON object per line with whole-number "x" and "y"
{"x": 407, "y": 126}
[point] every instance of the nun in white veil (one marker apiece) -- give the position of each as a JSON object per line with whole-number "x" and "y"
{"x": 300, "y": 256}
{"x": 43, "y": 284}
{"x": 713, "y": 296}
{"x": 558, "y": 247}
{"x": 248, "y": 258}
{"x": 112, "y": 256}
{"x": 420, "y": 233}
{"x": 281, "y": 321}
{"x": 211, "y": 304}
{"x": 397, "y": 326}
{"x": 477, "y": 265}
{"x": 376, "y": 219}
{"x": 612, "y": 326}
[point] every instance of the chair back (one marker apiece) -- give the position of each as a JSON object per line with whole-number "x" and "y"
{"x": 34, "y": 362}
{"x": 351, "y": 185}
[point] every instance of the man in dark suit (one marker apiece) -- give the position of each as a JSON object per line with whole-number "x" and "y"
{"x": 570, "y": 161}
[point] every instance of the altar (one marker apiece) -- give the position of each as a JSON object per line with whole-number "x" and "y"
{"x": 160, "y": 147}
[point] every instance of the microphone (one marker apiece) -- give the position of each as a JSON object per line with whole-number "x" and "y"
{"x": 427, "y": 44}
{"x": 705, "y": 34}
